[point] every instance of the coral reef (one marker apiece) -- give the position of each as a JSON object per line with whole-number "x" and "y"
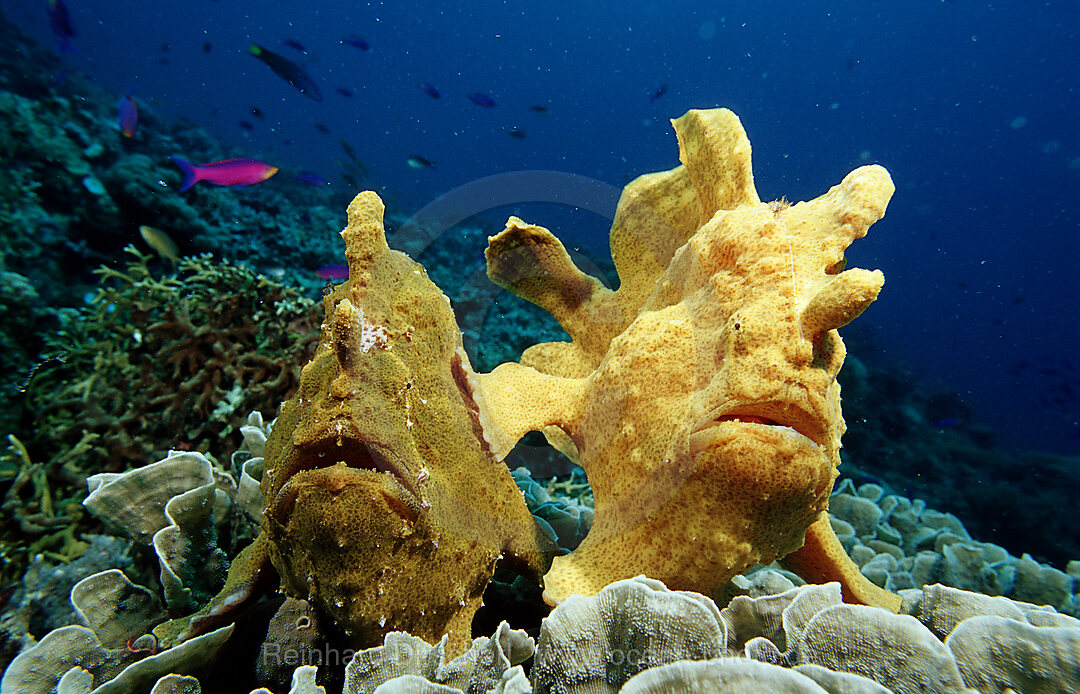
{"x": 151, "y": 363}
{"x": 943, "y": 643}
{"x": 922, "y": 442}
{"x": 175, "y": 504}
{"x": 407, "y": 664}
{"x": 77, "y": 189}
{"x": 74, "y": 192}
{"x": 701, "y": 396}
{"x": 643, "y": 632}
{"x": 638, "y": 621}
{"x": 901, "y": 544}
{"x": 39, "y": 602}
{"x": 636, "y": 635}
{"x": 25, "y": 320}
{"x": 566, "y": 519}
{"x": 898, "y": 543}
{"x": 74, "y": 658}
{"x": 181, "y": 508}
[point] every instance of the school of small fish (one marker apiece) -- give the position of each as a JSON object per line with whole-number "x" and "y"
{"x": 244, "y": 171}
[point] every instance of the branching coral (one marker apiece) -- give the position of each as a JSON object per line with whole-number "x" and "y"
{"x": 145, "y": 365}
{"x": 31, "y": 508}
{"x": 152, "y": 363}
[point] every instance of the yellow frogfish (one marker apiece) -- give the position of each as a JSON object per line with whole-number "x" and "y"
{"x": 701, "y": 396}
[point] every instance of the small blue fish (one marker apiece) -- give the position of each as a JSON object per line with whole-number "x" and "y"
{"x": 481, "y": 99}
{"x": 345, "y": 92}
{"x": 311, "y": 178}
{"x": 418, "y": 162}
{"x": 295, "y": 45}
{"x": 288, "y": 71}
{"x": 357, "y": 42}
{"x": 431, "y": 90}
{"x": 658, "y": 92}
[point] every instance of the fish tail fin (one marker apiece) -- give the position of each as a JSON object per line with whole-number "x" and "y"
{"x": 191, "y": 174}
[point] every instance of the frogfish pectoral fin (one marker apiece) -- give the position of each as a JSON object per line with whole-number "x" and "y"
{"x": 822, "y": 559}
{"x": 250, "y": 575}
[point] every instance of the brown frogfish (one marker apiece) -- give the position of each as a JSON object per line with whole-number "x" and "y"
{"x": 384, "y": 507}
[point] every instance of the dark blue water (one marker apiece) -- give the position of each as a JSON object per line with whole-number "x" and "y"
{"x": 972, "y": 106}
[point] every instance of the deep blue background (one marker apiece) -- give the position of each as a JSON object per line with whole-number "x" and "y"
{"x": 972, "y": 106}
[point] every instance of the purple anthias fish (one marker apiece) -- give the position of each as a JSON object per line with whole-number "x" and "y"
{"x": 128, "y": 114}
{"x": 431, "y": 90}
{"x": 227, "y": 172}
{"x": 481, "y": 99}
{"x": 333, "y": 272}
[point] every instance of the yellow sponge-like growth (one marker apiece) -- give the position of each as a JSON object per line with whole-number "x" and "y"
{"x": 701, "y": 396}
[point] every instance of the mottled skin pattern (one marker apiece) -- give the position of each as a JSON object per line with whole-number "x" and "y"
{"x": 383, "y": 507}
{"x": 701, "y": 396}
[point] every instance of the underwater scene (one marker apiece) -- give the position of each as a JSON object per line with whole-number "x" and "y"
{"x": 529, "y": 348}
